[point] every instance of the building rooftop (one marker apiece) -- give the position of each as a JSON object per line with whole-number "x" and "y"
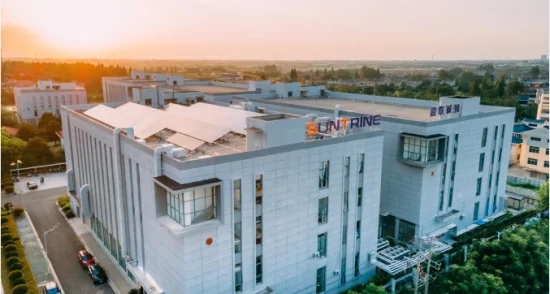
{"x": 534, "y": 121}
{"x": 516, "y": 140}
{"x": 521, "y": 127}
{"x": 213, "y": 89}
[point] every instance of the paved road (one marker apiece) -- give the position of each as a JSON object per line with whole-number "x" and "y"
{"x": 63, "y": 244}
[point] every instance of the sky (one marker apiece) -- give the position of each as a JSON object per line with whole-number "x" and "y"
{"x": 277, "y": 29}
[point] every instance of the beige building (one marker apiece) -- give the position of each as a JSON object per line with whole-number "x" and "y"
{"x": 542, "y": 101}
{"x": 533, "y": 156}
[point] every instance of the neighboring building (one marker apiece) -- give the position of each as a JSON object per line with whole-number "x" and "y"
{"x": 526, "y": 98}
{"x": 46, "y": 96}
{"x": 440, "y": 173}
{"x": 542, "y": 101}
{"x": 517, "y": 141}
{"x": 534, "y": 153}
{"x": 211, "y": 199}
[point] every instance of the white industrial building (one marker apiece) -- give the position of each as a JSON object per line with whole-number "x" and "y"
{"x": 157, "y": 89}
{"x": 212, "y": 199}
{"x": 445, "y": 162}
{"x": 46, "y": 96}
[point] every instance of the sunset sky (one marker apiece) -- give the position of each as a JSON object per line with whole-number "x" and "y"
{"x": 276, "y": 30}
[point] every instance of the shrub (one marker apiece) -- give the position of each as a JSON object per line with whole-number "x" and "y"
{"x": 7, "y": 237}
{"x": 70, "y": 214}
{"x": 11, "y": 253}
{"x": 4, "y": 220}
{"x": 10, "y": 248}
{"x": 17, "y": 211}
{"x": 15, "y": 266}
{"x": 9, "y": 189}
{"x": 13, "y": 260}
{"x": 20, "y": 289}
{"x": 15, "y": 275}
{"x": 66, "y": 205}
{"x": 5, "y": 230}
{"x": 66, "y": 209}
{"x": 18, "y": 282}
{"x": 62, "y": 200}
{"x": 7, "y": 205}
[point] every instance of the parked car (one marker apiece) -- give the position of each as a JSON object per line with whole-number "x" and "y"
{"x": 97, "y": 273}
{"x": 51, "y": 288}
{"x": 85, "y": 258}
{"x": 32, "y": 185}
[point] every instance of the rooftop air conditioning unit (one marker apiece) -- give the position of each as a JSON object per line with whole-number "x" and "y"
{"x": 261, "y": 110}
{"x": 316, "y": 255}
{"x": 178, "y": 152}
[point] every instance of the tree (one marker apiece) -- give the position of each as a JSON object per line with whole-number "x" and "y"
{"x": 475, "y": 89}
{"x": 444, "y": 75}
{"x": 501, "y": 86}
{"x": 369, "y": 289}
{"x": 293, "y": 75}
{"x": 25, "y": 131}
{"x": 9, "y": 119}
{"x": 12, "y": 149}
{"x": 51, "y": 128}
{"x": 46, "y": 118}
{"x": 535, "y": 72}
{"x": 40, "y": 149}
{"x": 515, "y": 88}
{"x": 467, "y": 279}
{"x": 542, "y": 197}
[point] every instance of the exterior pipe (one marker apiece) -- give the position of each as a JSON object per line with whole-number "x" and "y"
{"x": 157, "y": 154}
{"x": 118, "y": 186}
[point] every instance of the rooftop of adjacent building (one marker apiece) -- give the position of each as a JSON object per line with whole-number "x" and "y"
{"x": 50, "y": 86}
{"x": 211, "y": 89}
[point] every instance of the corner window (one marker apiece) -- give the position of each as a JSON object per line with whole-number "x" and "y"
{"x": 406, "y": 231}
{"x": 532, "y": 161}
{"x": 422, "y": 149}
{"x": 323, "y": 210}
{"x": 193, "y": 207}
{"x": 324, "y": 174}
{"x": 322, "y": 245}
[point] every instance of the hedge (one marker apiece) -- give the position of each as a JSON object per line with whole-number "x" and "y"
{"x": 6, "y": 237}
{"x": 66, "y": 209}
{"x": 20, "y": 289}
{"x": 4, "y": 219}
{"x": 18, "y": 282}
{"x": 9, "y": 189}
{"x": 62, "y": 200}
{"x": 14, "y": 275}
{"x": 15, "y": 266}
{"x": 12, "y": 253}
{"x": 5, "y": 230}
{"x": 10, "y": 248}
{"x": 17, "y": 211}
{"x": 13, "y": 260}
{"x": 7, "y": 205}
{"x": 70, "y": 214}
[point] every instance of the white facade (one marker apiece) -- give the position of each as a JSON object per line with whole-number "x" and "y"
{"x": 534, "y": 153}
{"x": 283, "y": 228}
{"x": 542, "y": 101}
{"x": 46, "y": 96}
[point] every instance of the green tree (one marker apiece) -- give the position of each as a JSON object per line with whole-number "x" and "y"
{"x": 467, "y": 279}
{"x": 475, "y": 89}
{"x": 515, "y": 88}
{"x": 369, "y": 289}
{"x": 444, "y": 75}
{"x": 501, "y": 86}
{"x": 40, "y": 149}
{"x": 51, "y": 128}
{"x": 9, "y": 119}
{"x": 293, "y": 75}
{"x": 46, "y": 118}
{"x": 12, "y": 149}
{"x": 25, "y": 131}
{"x": 535, "y": 72}
{"x": 542, "y": 197}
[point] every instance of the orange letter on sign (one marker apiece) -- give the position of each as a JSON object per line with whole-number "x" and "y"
{"x": 311, "y": 129}
{"x": 344, "y": 121}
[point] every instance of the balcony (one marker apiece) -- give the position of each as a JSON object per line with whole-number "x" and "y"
{"x": 422, "y": 151}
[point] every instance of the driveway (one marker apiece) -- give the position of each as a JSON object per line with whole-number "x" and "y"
{"x": 63, "y": 244}
{"x": 52, "y": 180}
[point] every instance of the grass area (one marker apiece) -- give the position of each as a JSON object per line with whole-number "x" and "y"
{"x": 27, "y": 272}
{"x": 526, "y": 186}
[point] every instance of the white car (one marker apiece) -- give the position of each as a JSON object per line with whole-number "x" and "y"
{"x": 32, "y": 185}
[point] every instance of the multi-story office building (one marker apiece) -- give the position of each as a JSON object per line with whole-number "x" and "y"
{"x": 533, "y": 156}
{"x": 445, "y": 163}
{"x": 542, "y": 101}
{"x": 211, "y": 199}
{"x": 157, "y": 90}
{"x": 46, "y": 96}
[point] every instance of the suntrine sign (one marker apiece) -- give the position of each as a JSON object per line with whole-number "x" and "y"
{"x": 314, "y": 128}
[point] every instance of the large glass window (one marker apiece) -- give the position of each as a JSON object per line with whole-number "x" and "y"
{"x": 346, "y": 201}
{"x": 323, "y": 210}
{"x": 322, "y": 245}
{"x": 481, "y": 162}
{"x": 406, "y": 231}
{"x": 418, "y": 149}
{"x": 238, "y": 278}
{"x": 192, "y": 207}
{"x": 476, "y": 211}
{"x": 237, "y": 195}
{"x": 484, "y": 137}
{"x": 259, "y": 189}
{"x": 387, "y": 224}
{"x": 533, "y": 149}
{"x": 321, "y": 276}
{"x": 478, "y": 187}
{"x": 324, "y": 174}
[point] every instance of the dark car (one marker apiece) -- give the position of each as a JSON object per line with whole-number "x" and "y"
{"x": 32, "y": 185}
{"x": 85, "y": 258}
{"x": 97, "y": 273}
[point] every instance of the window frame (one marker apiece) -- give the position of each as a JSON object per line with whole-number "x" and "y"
{"x": 322, "y": 240}
{"x": 478, "y": 186}
{"x": 324, "y": 174}
{"x": 534, "y": 149}
{"x": 531, "y": 160}
{"x": 322, "y": 213}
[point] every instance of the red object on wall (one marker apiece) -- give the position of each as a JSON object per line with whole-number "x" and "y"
{"x": 209, "y": 241}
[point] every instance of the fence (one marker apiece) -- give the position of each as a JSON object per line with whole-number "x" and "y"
{"x": 524, "y": 181}
{"x": 39, "y": 169}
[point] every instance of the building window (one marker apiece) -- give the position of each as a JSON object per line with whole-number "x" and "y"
{"x": 192, "y": 207}
{"x": 346, "y": 201}
{"x": 359, "y": 196}
{"x": 345, "y": 234}
{"x": 148, "y": 101}
{"x": 358, "y": 230}
{"x": 476, "y": 211}
{"x": 478, "y": 187}
{"x": 503, "y": 131}
{"x": 258, "y": 269}
{"x": 547, "y": 151}
{"x": 238, "y": 235}
{"x": 533, "y": 149}
{"x": 450, "y": 204}
{"x": 324, "y": 174}
{"x": 356, "y": 265}
{"x": 420, "y": 149}
{"x": 481, "y": 162}
{"x": 493, "y": 157}
{"x": 259, "y": 189}
{"x": 237, "y": 195}
{"x": 537, "y": 139}
{"x": 321, "y": 274}
{"x": 258, "y": 230}
{"x": 406, "y": 231}
{"x": 343, "y": 271}
{"x": 238, "y": 278}
{"x": 484, "y": 137}
{"x": 441, "y": 200}
{"x": 323, "y": 210}
{"x": 361, "y": 162}
{"x": 500, "y": 155}
{"x": 546, "y": 164}
{"x": 532, "y": 161}
{"x": 496, "y": 133}
{"x": 346, "y": 167}
{"x": 322, "y": 245}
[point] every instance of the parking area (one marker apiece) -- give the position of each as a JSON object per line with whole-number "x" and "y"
{"x": 53, "y": 180}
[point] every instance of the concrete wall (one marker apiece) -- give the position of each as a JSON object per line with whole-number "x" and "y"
{"x": 313, "y": 91}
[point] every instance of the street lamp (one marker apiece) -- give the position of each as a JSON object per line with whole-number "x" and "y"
{"x": 17, "y": 163}
{"x": 46, "y": 238}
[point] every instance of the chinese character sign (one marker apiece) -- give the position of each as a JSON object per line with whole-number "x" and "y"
{"x": 445, "y": 109}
